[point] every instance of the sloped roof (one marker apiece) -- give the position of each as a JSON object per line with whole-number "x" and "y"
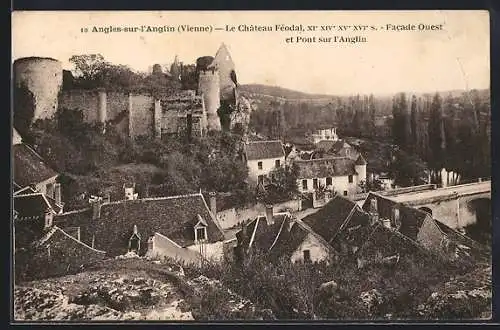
{"x": 325, "y": 145}
{"x": 173, "y": 217}
{"x": 328, "y": 220}
{"x": 411, "y": 219}
{"x": 259, "y": 234}
{"x": 360, "y": 160}
{"x": 16, "y": 137}
{"x": 264, "y": 150}
{"x": 33, "y": 205}
{"x": 293, "y": 236}
{"x": 385, "y": 242}
{"x": 478, "y": 251}
{"x": 29, "y": 167}
{"x": 325, "y": 167}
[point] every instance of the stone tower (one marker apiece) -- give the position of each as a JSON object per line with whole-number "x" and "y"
{"x": 43, "y": 78}
{"x": 209, "y": 88}
{"x": 227, "y": 74}
{"x": 175, "y": 69}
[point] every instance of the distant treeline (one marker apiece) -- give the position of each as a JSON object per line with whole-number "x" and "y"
{"x": 450, "y": 130}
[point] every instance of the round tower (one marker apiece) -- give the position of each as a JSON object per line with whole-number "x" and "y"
{"x": 209, "y": 88}
{"x": 360, "y": 168}
{"x": 43, "y": 77}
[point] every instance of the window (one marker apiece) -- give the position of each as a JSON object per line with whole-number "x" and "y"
{"x": 307, "y": 255}
{"x": 347, "y": 151}
{"x": 329, "y": 181}
{"x": 345, "y": 192}
{"x": 315, "y": 183}
{"x": 201, "y": 234}
{"x": 304, "y": 184}
{"x": 49, "y": 190}
{"x": 350, "y": 178}
{"x": 260, "y": 179}
{"x": 259, "y": 165}
{"x": 277, "y": 163}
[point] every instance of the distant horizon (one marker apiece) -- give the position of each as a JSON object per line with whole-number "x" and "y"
{"x": 392, "y": 62}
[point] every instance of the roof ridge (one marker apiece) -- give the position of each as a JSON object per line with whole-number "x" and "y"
{"x": 264, "y": 141}
{"x": 78, "y": 241}
{"x": 75, "y": 211}
{"x": 163, "y": 236}
{"x": 153, "y": 199}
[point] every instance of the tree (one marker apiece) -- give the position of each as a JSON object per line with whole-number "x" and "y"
{"x": 89, "y": 67}
{"x": 414, "y": 124}
{"x": 282, "y": 185}
{"x": 437, "y": 141}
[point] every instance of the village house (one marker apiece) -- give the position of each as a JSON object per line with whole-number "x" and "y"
{"x": 31, "y": 173}
{"x": 341, "y": 175}
{"x": 179, "y": 227}
{"x": 420, "y": 227}
{"x": 363, "y": 233}
{"x": 340, "y": 223}
{"x": 337, "y": 148}
{"x": 280, "y": 235}
{"x": 262, "y": 157}
{"x": 34, "y": 216}
{"x": 329, "y": 134}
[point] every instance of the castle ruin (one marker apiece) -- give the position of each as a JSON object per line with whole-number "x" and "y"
{"x": 141, "y": 114}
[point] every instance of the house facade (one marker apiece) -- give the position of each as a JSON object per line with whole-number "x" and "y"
{"x": 31, "y": 173}
{"x": 262, "y": 157}
{"x": 329, "y": 134}
{"x": 179, "y": 227}
{"x": 280, "y": 235}
{"x": 340, "y": 174}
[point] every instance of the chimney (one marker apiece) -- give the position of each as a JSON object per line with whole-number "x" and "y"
{"x": 96, "y": 209}
{"x": 269, "y": 214}
{"x": 57, "y": 193}
{"x": 373, "y": 211}
{"x": 213, "y": 202}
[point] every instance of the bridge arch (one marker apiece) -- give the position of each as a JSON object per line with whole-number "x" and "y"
{"x": 426, "y": 210}
{"x": 481, "y": 229}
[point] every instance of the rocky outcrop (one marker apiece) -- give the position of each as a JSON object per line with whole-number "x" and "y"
{"x": 100, "y": 296}
{"x": 465, "y": 297}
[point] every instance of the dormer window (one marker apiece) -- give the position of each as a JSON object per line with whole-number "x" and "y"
{"x": 200, "y": 230}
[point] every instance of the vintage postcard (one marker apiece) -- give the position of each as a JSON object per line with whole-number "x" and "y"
{"x": 251, "y": 165}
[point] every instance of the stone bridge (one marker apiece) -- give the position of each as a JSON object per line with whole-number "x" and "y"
{"x": 456, "y": 206}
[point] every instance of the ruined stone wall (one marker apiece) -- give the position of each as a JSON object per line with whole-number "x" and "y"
{"x": 85, "y": 100}
{"x": 43, "y": 78}
{"x": 141, "y": 115}
{"x": 116, "y": 103}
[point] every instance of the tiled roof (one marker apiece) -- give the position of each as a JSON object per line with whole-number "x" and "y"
{"x": 173, "y": 217}
{"x": 325, "y": 145}
{"x": 16, "y": 137}
{"x": 478, "y": 251}
{"x": 29, "y": 167}
{"x": 325, "y": 167}
{"x": 360, "y": 161}
{"x": 329, "y": 219}
{"x": 293, "y": 236}
{"x": 411, "y": 219}
{"x": 32, "y": 205}
{"x": 383, "y": 242}
{"x": 77, "y": 218}
{"x": 264, "y": 150}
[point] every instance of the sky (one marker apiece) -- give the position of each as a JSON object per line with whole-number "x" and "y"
{"x": 455, "y": 57}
